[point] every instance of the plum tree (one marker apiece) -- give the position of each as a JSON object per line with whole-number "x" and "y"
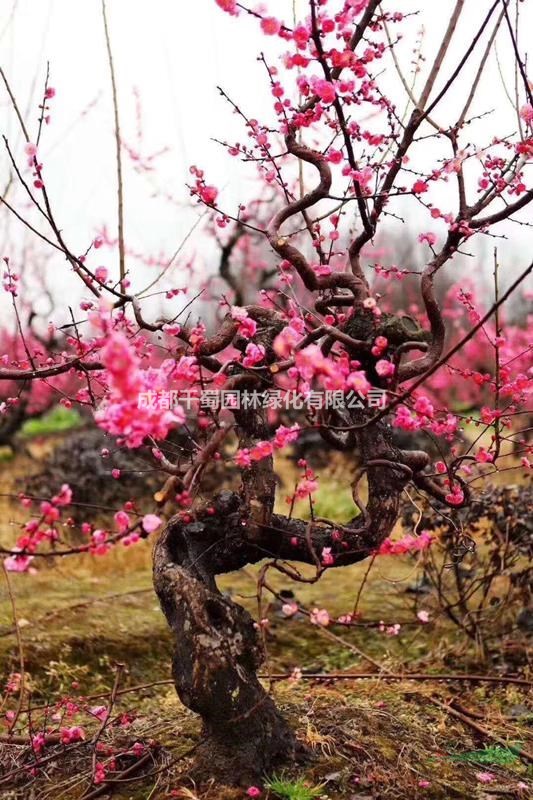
{"x": 304, "y": 341}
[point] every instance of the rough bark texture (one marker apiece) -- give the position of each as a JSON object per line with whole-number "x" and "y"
{"x": 218, "y": 650}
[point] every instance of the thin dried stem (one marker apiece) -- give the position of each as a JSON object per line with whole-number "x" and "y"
{"x": 118, "y": 149}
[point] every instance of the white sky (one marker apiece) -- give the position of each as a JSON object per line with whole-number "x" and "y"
{"x": 175, "y": 52}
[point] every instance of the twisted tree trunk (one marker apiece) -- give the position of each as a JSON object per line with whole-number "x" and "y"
{"x": 218, "y": 650}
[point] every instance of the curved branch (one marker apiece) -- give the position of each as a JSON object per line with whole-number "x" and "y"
{"x": 438, "y": 330}
{"x": 281, "y": 244}
{"x": 49, "y": 372}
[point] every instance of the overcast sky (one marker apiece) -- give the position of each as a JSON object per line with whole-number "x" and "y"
{"x": 173, "y": 53}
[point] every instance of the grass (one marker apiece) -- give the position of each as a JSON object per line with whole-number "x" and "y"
{"x": 58, "y": 420}
{"x": 292, "y": 790}
{"x": 335, "y": 502}
{"x": 492, "y": 756}
{"x": 6, "y": 454}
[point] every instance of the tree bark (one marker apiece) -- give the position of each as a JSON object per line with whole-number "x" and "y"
{"x": 218, "y": 650}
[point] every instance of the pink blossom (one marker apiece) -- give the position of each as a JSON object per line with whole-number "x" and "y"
{"x": 423, "y": 616}
{"x": 385, "y": 368}
{"x": 407, "y": 544}
{"x": 311, "y": 361}
{"x": 243, "y": 458}
{"x": 132, "y": 538}
{"x": 238, "y": 313}
{"x": 31, "y": 150}
{"x": 261, "y": 450}
{"x": 306, "y": 488}
{"x": 289, "y": 609}
{"x": 13, "y": 683}
{"x": 485, "y": 777}
{"x": 228, "y": 5}
{"x": 446, "y": 427}
{"x": 345, "y": 619}
{"x": 456, "y": 496}
{"x": 49, "y": 511}
{"x": 99, "y": 536}
{"x": 285, "y": 436}
{"x": 484, "y": 457}
{"x": 405, "y": 420}
{"x": 64, "y": 496}
{"x": 286, "y": 341}
{"x": 122, "y": 521}
{"x": 270, "y": 26}
{"x": 327, "y": 557}
{"x": 100, "y": 772}
{"x": 319, "y": 616}
{"x": 208, "y": 194}
{"x": 424, "y": 407}
{"x": 419, "y": 187}
{"x": 301, "y": 36}
{"x": 253, "y": 791}
{"x": 526, "y": 112}
{"x": 38, "y": 742}
{"x": 390, "y": 630}
{"x": 335, "y": 156}
{"x": 74, "y": 734}
{"x": 248, "y": 327}
{"x": 122, "y": 414}
{"x": 17, "y": 563}
{"x": 151, "y": 522}
{"x": 172, "y": 328}
{"x": 358, "y": 382}
{"x": 380, "y": 344}
{"x": 325, "y": 90}
{"x": 430, "y": 238}
{"x": 255, "y": 353}
{"x": 489, "y": 416}
{"x": 100, "y": 712}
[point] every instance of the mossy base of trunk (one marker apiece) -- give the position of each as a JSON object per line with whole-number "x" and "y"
{"x": 247, "y": 753}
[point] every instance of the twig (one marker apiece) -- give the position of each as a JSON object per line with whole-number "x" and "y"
{"x": 104, "y": 787}
{"x": 398, "y": 676}
{"x": 478, "y": 728}
{"x": 107, "y": 717}
{"x": 13, "y": 722}
{"x": 120, "y": 197}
